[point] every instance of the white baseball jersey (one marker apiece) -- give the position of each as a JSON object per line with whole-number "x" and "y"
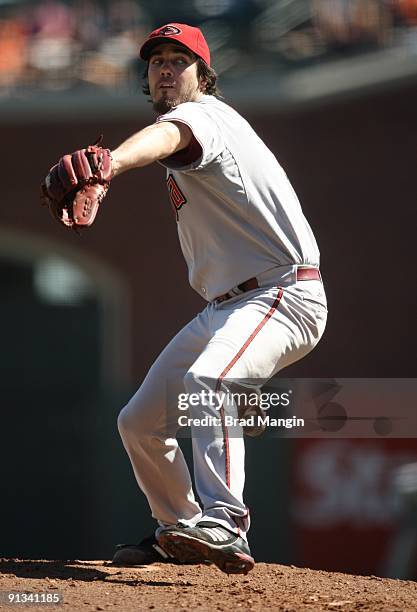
{"x": 238, "y": 215}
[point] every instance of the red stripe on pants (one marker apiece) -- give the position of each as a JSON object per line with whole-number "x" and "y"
{"x": 230, "y": 366}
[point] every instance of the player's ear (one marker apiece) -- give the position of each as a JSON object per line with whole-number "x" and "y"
{"x": 202, "y": 84}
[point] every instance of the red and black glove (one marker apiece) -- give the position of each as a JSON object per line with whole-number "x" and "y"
{"x": 75, "y": 187}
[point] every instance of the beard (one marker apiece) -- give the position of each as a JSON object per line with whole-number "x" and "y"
{"x": 166, "y": 103}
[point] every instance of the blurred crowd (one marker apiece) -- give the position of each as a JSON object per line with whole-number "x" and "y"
{"x": 55, "y": 45}
{"x": 62, "y": 45}
{"x": 362, "y": 23}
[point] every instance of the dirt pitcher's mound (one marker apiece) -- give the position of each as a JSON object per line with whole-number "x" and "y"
{"x": 97, "y": 585}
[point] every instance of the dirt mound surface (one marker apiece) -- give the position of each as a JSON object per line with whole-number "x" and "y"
{"x": 98, "y": 585}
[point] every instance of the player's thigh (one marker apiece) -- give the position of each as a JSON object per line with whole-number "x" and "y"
{"x": 256, "y": 336}
{"x": 153, "y": 409}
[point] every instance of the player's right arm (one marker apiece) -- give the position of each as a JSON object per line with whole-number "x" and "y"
{"x": 151, "y": 144}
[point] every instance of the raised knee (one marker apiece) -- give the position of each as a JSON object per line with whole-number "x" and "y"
{"x": 140, "y": 422}
{"x": 124, "y": 421}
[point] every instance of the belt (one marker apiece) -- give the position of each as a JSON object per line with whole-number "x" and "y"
{"x": 302, "y": 274}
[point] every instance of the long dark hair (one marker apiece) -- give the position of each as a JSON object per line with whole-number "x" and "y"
{"x": 204, "y": 71}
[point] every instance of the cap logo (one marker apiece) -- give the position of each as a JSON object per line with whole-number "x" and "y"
{"x": 168, "y": 31}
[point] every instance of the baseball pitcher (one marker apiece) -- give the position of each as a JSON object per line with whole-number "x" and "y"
{"x": 250, "y": 254}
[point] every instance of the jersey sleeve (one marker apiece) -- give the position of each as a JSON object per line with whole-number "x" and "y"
{"x": 207, "y": 143}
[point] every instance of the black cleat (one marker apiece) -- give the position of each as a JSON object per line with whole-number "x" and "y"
{"x": 212, "y": 542}
{"x": 146, "y": 552}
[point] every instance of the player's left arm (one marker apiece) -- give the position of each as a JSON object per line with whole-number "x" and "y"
{"x": 151, "y": 144}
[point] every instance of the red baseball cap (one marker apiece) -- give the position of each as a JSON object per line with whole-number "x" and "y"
{"x": 180, "y": 33}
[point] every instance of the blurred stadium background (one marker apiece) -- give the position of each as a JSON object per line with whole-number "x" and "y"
{"x": 331, "y": 86}
{"x": 91, "y": 45}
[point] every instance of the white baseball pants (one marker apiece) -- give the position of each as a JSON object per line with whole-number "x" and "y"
{"x": 250, "y": 336}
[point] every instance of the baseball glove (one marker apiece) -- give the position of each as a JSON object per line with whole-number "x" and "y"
{"x": 75, "y": 187}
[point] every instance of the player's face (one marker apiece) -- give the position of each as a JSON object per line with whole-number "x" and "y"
{"x": 172, "y": 75}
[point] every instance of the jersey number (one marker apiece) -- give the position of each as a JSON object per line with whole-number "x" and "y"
{"x": 175, "y": 195}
